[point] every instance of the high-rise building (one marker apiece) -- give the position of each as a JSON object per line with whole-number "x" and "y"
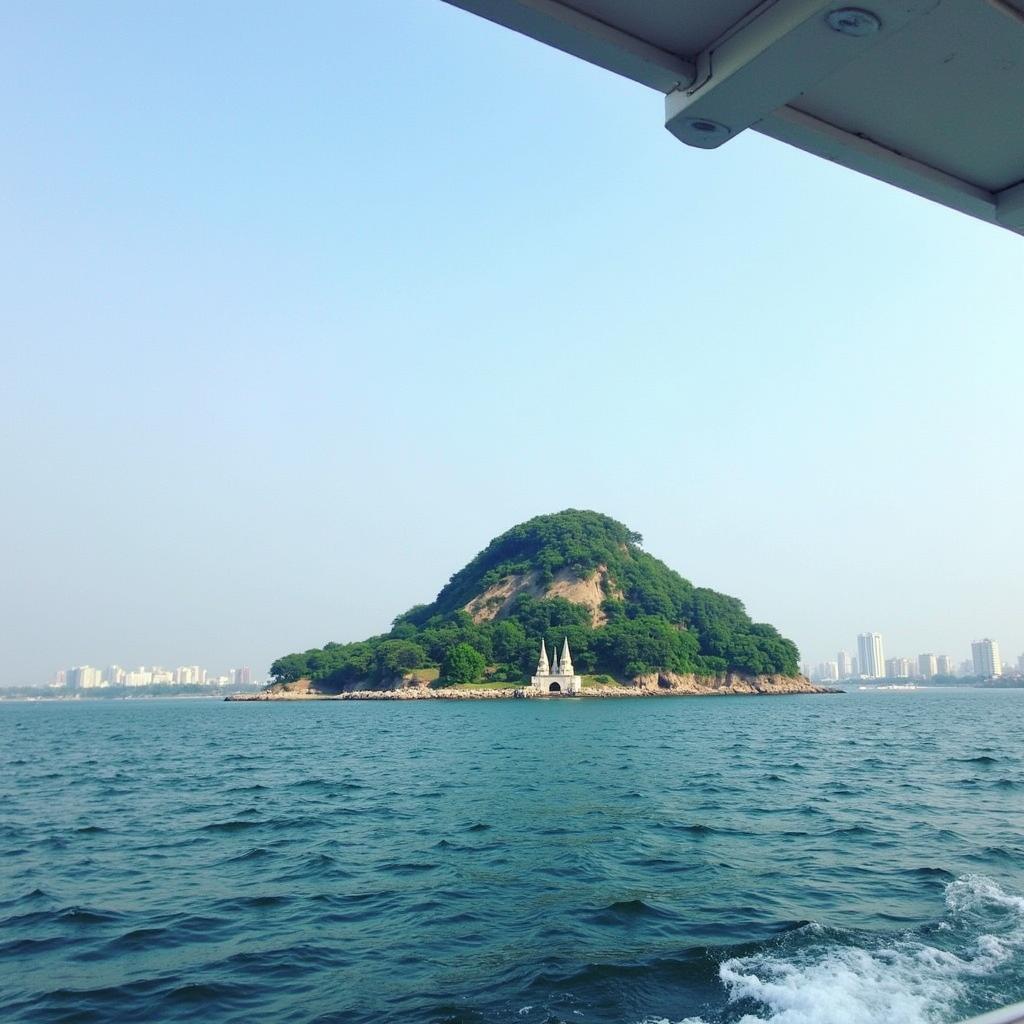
{"x": 870, "y": 655}
{"x": 243, "y": 676}
{"x": 844, "y": 665}
{"x": 927, "y": 665}
{"x": 899, "y": 668}
{"x": 83, "y": 677}
{"x": 944, "y": 665}
{"x": 985, "y": 655}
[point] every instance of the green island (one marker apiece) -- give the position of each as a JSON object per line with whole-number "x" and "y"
{"x": 635, "y": 627}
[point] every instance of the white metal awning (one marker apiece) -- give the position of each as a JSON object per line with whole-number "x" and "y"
{"x": 927, "y": 95}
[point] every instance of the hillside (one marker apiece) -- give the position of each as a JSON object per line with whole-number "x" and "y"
{"x": 576, "y": 574}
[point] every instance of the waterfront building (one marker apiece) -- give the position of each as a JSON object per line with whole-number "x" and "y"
{"x": 559, "y": 677}
{"x": 870, "y": 655}
{"x": 844, "y": 665}
{"x": 985, "y": 655}
{"x": 927, "y": 665}
{"x": 899, "y": 668}
{"x": 944, "y": 665}
{"x": 82, "y": 677}
{"x": 243, "y": 676}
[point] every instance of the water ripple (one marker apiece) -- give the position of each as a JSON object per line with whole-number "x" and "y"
{"x": 794, "y": 861}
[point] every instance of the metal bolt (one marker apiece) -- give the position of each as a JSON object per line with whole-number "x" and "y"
{"x": 705, "y": 132}
{"x": 852, "y": 21}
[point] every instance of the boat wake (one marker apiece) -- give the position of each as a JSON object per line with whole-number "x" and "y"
{"x": 961, "y": 965}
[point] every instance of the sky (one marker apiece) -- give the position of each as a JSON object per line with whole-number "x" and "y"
{"x": 301, "y": 305}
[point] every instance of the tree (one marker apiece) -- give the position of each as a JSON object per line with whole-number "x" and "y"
{"x": 509, "y": 639}
{"x": 397, "y": 656}
{"x": 462, "y": 664}
{"x": 289, "y": 668}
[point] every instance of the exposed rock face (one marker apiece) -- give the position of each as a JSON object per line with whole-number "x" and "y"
{"x": 725, "y": 683}
{"x": 590, "y": 591}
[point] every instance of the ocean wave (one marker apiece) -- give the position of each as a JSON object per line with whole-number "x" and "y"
{"x": 826, "y": 976}
{"x": 627, "y": 911}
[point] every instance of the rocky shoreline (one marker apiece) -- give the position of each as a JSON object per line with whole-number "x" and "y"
{"x": 654, "y": 685}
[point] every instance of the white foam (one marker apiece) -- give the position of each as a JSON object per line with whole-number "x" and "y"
{"x": 901, "y": 980}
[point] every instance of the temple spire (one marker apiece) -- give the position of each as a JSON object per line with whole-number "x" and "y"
{"x": 543, "y": 668}
{"x": 565, "y": 662}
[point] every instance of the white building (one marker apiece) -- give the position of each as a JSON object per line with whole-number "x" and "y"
{"x": 944, "y": 665}
{"x": 140, "y": 677}
{"x": 927, "y": 666}
{"x": 844, "y": 665}
{"x": 985, "y": 654}
{"x": 870, "y": 657}
{"x": 83, "y": 677}
{"x": 899, "y": 668}
{"x": 556, "y": 678}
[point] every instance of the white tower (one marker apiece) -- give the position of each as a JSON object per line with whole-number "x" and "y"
{"x": 543, "y": 669}
{"x": 565, "y": 662}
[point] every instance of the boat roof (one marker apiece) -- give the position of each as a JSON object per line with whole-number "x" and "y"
{"x": 927, "y": 95}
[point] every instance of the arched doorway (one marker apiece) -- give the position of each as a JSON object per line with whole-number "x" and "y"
{"x": 554, "y": 688}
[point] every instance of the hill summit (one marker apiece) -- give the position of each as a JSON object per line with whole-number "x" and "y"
{"x": 574, "y": 574}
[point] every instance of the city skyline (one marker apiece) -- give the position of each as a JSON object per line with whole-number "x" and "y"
{"x": 89, "y": 677}
{"x": 870, "y": 663}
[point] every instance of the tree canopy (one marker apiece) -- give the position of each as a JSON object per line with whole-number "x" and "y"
{"x": 655, "y": 619}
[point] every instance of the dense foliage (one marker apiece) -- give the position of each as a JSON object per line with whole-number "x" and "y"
{"x": 656, "y": 620}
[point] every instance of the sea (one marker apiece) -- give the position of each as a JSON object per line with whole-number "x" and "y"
{"x": 852, "y": 858}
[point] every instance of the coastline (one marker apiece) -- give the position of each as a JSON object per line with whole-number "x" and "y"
{"x": 646, "y": 686}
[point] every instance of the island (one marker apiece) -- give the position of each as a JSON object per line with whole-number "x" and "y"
{"x": 619, "y": 623}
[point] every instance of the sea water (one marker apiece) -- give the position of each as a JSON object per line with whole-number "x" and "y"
{"x": 842, "y": 859}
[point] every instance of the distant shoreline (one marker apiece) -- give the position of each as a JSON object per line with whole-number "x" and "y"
{"x": 618, "y": 693}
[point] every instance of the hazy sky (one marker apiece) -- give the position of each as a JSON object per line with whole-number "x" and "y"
{"x": 301, "y": 304}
